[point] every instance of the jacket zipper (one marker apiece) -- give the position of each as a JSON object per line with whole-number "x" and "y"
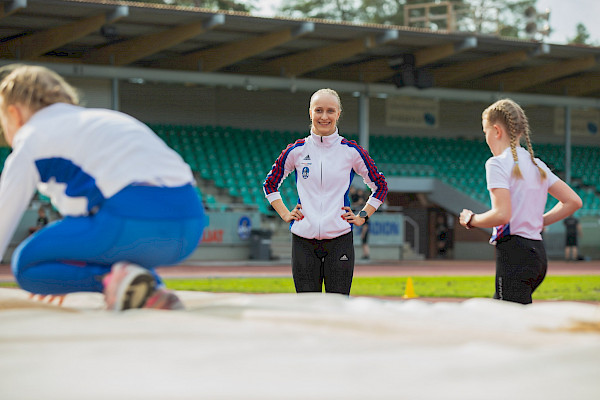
{"x": 320, "y": 149}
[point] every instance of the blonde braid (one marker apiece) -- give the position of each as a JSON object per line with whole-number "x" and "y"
{"x": 512, "y": 130}
{"x": 529, "y": 146}
{"x": 514, "y": 119}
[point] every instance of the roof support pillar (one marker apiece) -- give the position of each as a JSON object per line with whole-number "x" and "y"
{"x": 568, "y": 145}
{"x": 114, "y": 94}
{"x": 363, "y": 120}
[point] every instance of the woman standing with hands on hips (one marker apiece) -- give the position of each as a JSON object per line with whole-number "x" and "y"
{"x": 321, "y": 222}
{"x": 519, "y": 185}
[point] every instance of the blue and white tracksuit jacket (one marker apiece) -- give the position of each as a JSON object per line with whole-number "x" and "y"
{"x": 123, "y": 193}
{"x": 325, "y": 167}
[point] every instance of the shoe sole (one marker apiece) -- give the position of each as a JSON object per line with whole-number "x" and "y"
{"x": 135, "y": 290}
{"x": 164, "y": 301}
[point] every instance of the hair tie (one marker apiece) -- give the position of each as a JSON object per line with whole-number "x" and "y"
{"x": 516, "y": 162}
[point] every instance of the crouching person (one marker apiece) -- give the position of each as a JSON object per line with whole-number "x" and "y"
{"x": 128, "y": 200}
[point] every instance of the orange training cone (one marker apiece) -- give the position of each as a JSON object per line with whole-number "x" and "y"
{"x": 410, "y": 290}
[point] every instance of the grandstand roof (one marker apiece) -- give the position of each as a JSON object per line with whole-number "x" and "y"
{"x": 160, "y": 38}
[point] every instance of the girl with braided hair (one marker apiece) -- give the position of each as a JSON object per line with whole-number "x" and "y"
{"x": 519, "y": 185}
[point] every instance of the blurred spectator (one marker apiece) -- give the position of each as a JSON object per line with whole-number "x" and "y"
{"x": 362, "y": 197}
{"x": 42, "y": 221}
{"x": 354, "y": 198}
{"x": 573, "y": 230}
{"x": 441, "y": 235}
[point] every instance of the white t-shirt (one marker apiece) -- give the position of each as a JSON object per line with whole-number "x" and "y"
{"x": 528, "y": 196}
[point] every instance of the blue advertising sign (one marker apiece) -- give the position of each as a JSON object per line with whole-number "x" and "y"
{"x": 384, "y": 229}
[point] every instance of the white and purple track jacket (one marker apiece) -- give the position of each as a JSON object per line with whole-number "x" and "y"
{"x": 79, "y": 157}
{"x": 325, "y": 167}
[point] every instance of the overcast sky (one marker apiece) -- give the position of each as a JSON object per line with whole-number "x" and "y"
{"x": 564, "y": 17}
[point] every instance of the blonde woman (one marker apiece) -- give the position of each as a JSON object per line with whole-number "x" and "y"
{"x": 127, "y": 199}
{"x": 321, "y": 222}
{"x": 519, "y": 185}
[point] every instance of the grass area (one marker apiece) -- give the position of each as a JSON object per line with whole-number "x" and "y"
{"x": 553, "y": 288}
{"x": 234, "y": 285}
{"x": 583, "y": 287}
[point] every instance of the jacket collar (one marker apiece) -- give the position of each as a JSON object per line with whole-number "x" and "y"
{"x": 325, "y": 140}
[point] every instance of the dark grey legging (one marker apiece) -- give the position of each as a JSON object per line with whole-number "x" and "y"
{"x": 316, "y": 261}
{"x": 521, "y": 266}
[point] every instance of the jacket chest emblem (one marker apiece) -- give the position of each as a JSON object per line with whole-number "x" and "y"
{"x": 305, "y": 172}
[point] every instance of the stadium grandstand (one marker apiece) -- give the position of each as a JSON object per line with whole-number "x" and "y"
{"x": 228, "y": 91}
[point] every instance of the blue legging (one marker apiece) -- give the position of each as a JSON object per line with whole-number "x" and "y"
{"x": 72, "y": 255}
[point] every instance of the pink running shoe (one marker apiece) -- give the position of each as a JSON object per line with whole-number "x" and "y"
{"x": 127, "y": 286}
{"x": 163, "y": 299}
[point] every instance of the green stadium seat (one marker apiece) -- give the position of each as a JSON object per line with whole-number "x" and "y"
{"x": 229, "y": 157}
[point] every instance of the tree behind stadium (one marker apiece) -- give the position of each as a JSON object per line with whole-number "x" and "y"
{"x": 500, "y": 17}
{"x": 227, "y": 5}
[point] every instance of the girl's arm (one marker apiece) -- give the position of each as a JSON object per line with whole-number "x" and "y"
{"x": 499, "y": 214}
{"x": 568, "y": 202}
{"x": 17, "y": 186}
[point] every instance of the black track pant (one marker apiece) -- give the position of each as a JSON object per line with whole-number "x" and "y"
{"x": 521, "y": 266}
{"x": 317, "y": 261}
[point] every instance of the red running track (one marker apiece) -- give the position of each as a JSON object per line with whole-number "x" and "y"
{"x": 372, "y": 268}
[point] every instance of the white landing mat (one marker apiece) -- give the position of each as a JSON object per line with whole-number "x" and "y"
{"x": 313, "y": 346}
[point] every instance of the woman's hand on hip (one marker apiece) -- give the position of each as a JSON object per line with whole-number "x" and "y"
{"x": 352, "y": 218}
{"x": 294, "y": 215}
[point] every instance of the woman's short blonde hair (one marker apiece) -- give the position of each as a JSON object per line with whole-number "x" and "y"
{"x": 36, "y": 87}
{"x": 326, "y": 91}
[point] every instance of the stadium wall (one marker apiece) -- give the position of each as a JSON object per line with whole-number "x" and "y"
{"x": 283, "y": 110}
